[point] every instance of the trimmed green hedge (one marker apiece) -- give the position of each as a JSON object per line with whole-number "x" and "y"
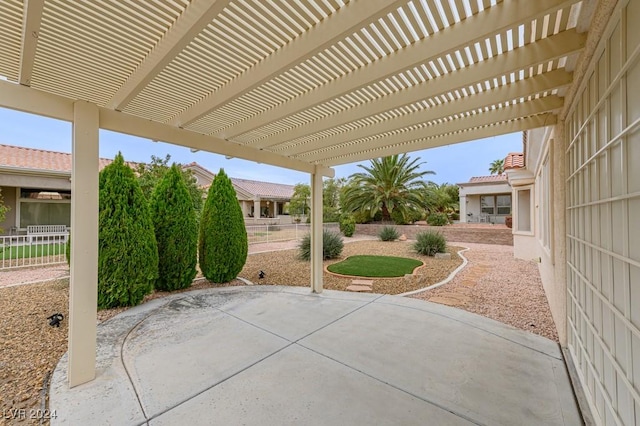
{"x": 127, "y": 249}
{"x": 176, "y": 231}
{"x": 223, "y": 244}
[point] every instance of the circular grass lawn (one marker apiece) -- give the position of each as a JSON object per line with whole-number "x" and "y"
{"x": 375, "y": 266}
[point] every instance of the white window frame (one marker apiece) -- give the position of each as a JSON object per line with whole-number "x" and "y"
{"x": 20, "y": 200}
{"x": 515, "y": 210}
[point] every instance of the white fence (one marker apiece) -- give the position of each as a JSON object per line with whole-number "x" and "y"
{"x": 19, "y": 251}
{"x": 273, "y": 233}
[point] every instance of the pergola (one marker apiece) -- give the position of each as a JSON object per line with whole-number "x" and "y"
{"x": 300, "y": 84}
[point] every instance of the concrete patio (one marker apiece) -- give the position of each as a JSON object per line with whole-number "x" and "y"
{"x": 280, "y": 355}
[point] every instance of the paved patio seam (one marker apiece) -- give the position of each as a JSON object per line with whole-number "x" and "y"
{"x": 480, "y": 328}
{"x": 291, "y": 343}
{"x": 308, "y": 334}
{"x": 435, "y": 404}
{"x": 124, "y": 342}
{"x": 219, "y": 382}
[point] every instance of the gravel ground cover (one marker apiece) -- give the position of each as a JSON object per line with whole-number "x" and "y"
{"x": 284, "y": 267}
{"x": 496, "y": 285}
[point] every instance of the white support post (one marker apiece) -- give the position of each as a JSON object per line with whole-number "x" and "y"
{"x": 463, "y": 208}
{"x": 256, "y": 211}
{"x": 83, "y": 292}
{"x": 316, "y": 232}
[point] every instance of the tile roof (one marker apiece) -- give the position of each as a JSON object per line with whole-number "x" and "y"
{"x": 39, "y": 159}
{"x": 264, "y": 189}
{"x": 514, "y": 160}
{"x": 488, "y": 179}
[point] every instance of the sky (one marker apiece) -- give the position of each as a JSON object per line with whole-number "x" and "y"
{"x": 453, "y": 163}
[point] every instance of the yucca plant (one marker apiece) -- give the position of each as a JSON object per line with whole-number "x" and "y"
{"x": 388, "y": 233}
{"x": 332, "y": 245}
{"x": 429, "y": 243}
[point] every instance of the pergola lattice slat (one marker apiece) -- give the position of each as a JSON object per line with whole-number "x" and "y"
{"x": 495, "y": 20}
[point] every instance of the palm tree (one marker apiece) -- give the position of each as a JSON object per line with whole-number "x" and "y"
{"x": 390, "y": 183}
{"x": 497, "y": 167}
{"x": 442, "y": 198}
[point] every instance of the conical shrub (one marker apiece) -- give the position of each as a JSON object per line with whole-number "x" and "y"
{"x": 127, "y": 249}
{"x": 223, "y": 245}
{"x": 176, "y": 230}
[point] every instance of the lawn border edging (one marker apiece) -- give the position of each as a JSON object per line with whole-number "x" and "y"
{"x": 451, "y": 276}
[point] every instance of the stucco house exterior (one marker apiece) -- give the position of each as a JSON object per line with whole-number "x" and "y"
{"x": 36, "y": 186}
{"x": 269, "y": 199}
{"x": 485, "y": 199}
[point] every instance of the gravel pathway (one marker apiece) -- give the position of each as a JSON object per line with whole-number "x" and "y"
{"x": 497, "y": 286}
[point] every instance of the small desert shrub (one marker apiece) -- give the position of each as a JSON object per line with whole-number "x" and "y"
{"x": 437, "y": 219}
{"x": 347, "y": 225}
{"x": 429, "y": 243}
{"x": 388, "y": 233}
{"x": 332, "y": 245}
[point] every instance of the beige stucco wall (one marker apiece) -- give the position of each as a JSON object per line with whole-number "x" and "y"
{"x": 525, "y": 247}
{"x": 62, "y": 182}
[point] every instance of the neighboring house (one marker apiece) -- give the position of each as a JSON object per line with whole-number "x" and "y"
{"x": 36, "y": 186}
{"x": 271, "y": 200}
{"x": 485, "y": 199}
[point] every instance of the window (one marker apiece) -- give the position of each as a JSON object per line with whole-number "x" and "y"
{"x": 487, "y": 204}
{"x": 523, "y": 209}
{"x": 496, "y": 204}
{"x": 44, "y": 207}
{"x": 504, "y": 204}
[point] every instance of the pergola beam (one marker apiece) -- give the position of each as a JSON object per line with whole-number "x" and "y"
{"x": 329, "y": 31}
{"x": 197, "y": 15}
{"x": 32, "y": 16}
{"x": 509, "y": 92}
{"x": 554, "y": 47}
{"x": 33, "y": 101}
{"x": 135, "y": 126}
{"x": 499, "y": 18}
{"x": 465, "y": 121}
{"x": 469, "y": 134}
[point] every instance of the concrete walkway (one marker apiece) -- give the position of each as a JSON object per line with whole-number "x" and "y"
{"x": 280, "y": 355}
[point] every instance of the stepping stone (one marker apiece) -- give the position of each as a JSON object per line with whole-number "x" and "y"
{"x": 359, "y": 288}
{"x": 451, "y": 299}
{"x": 362, "y": 282}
